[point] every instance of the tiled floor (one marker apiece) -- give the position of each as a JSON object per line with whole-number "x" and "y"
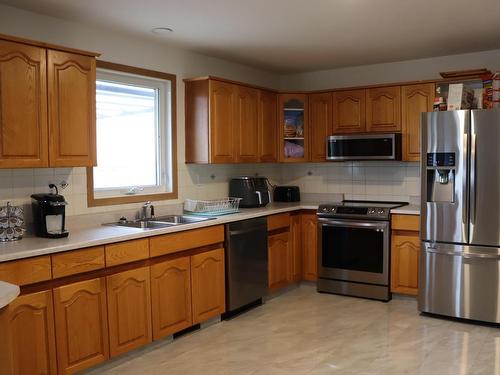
{"x": 303, "y": 332}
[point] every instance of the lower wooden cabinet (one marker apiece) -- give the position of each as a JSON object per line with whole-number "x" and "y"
{"x": 27, "y": 332}
{"x": 129, "y": 310}
{"x": 171, "y": 297}
{"x": 405, "y": 250}
{"x": 278, "y": 260}
{"x": 208, "y": 285}
{"x": 296, "y": 248}
{"x": 309, "y": 247}
{"x": 81, "y": 319}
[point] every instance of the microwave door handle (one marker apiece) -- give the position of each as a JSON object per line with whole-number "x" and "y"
{"x": 259, "y": 195}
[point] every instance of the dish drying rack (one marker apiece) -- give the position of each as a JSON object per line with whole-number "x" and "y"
{"x": 212, "y": 207}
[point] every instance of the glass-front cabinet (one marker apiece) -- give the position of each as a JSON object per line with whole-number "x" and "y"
{"x": 294, "y": 128}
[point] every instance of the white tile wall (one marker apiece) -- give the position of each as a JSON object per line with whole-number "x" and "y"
{"x": 356, "y": 180}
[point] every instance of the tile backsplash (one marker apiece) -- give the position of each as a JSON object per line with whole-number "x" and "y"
{"x": 356, "y": 180}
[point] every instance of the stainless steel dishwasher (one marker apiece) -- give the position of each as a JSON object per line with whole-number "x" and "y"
{"x": 246, "y": 264}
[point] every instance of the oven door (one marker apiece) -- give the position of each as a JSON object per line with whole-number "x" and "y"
{"x": 351, "y": 250}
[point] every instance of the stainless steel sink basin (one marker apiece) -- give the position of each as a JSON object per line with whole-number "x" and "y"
{"x": 160, "y": 222}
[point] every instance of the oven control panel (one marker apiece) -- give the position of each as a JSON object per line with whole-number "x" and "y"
{"x": 341, "y": 211}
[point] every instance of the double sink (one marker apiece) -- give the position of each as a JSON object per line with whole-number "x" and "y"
{"x": 160, "y": 221}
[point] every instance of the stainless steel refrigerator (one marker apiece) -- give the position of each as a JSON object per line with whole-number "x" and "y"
{"x": 460, "y": 214}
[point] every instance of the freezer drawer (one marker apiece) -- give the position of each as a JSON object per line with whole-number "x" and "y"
{"x": 460, "y": 281}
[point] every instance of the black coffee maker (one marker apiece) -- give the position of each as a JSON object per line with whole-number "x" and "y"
{"x": 49, "y": 214}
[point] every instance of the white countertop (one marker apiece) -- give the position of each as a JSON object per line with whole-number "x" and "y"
{"x": 31, "y": 246}
{"x": 8, "y": 292}
{"x": 411, "y": 209}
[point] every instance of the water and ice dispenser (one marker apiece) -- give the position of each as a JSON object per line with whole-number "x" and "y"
{"x": 441, "y": 172}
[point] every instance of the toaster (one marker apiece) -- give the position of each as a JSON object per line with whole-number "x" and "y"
{"x": 253, "y": 191}
{"x": 286, "y": 194}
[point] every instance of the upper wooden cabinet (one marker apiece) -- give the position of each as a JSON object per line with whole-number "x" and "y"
{"x": 23, "y": 106}
{"x": 415, "y": 99}
{"x": 229, "y": 123}
{"x": 320, "y": 124}
{"x": 349, "y": 111}
{"x": 268, "y": 126}
{"x": 71, "y": 89}
{"x": 294, "y": 128}
{"x": 383, "y": 109}
{"x": 47, "y": 105}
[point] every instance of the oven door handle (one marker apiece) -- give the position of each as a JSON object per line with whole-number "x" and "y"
{"x": 355, "y": 224}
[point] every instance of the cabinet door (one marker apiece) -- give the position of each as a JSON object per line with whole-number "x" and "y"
{"x": 383, "y": 109}
{"x": 294, "y": 128}
{"x": 278, "y": 260}
{"x": 81, "y": 325}
{"x": 27, "y": 326}
{"x": 296, "y": 248}
{"x": 247, "y": 121}
{"x": 320, "y": 123}
{"x": 268, "y": 127}
{"x": 349, "y": 111}
{"x": 207, "y": 285}
{"x": 223, "y": 132}
{"x": 171, "y": 297}
{"x": 310, "y": 247}
{"x": 23, "y": 106}
{"x": 415, "y": 100}
{"x": 129, "y": 310}
{"x": 404, "y": 263}
{"x": 71, "y": 87}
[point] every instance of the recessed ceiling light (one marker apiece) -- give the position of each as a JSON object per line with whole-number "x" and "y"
{"x": 162, "y": 30}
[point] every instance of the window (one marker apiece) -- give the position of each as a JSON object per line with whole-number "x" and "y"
{"x": 135, "y": 136}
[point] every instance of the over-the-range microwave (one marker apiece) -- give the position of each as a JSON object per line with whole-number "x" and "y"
{"x": 364, "y": 147}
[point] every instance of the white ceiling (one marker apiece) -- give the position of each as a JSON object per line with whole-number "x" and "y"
{"x": 297, "y": 35}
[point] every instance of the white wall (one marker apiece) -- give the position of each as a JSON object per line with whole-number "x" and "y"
{"x": 411, "y": 70}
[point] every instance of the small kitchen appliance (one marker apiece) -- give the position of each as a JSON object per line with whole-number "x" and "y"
{"x": 354, "y": 248}
{"x": 253, "y": 191}
{"x": 49, "y": 215}
{"x": 286, "y": 194}
{"x": 364, "y": 147}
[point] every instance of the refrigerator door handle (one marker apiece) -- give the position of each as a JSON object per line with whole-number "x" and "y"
{"x": 464, "y": 184}
{"x": 463, "y": 254}
{"x": 473, "y": 181}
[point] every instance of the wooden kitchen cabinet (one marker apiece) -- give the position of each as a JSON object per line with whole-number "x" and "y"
{"x": 405, "y": 251}
{"x": 247, "y": 123}
{"x": 23, "y": 106}
{"x": 320, "y": 124}
{"x": 295, "y": 248}
{"x": 268, "y": 127}
{"x": 171, "y": 296}
{"x": 27, "y": 332}
{"x": 81, "y": 318}
{"x": 278, "y": 260}
{"x": 415, "y": 99}
{"x": 383, "y": 109}
{"x": 208, "y": 285}
{"x": 309, "y": 246}
{"x": 349, "y": 111}
{"x": 294, "y": 128}
{"x": 223, "y": 131}
{"x": 129, "y": 310}
{"x": 71, "y": 89}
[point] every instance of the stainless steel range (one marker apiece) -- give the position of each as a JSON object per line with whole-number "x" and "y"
{"x": 354, "y": 248}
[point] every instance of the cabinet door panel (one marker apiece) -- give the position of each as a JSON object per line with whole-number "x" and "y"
{"x": 278, "y": 260}
{"x": 71, "y": 88}
{"x": 310, "y": 247}
{"x": 268, "y": 127}
{"x": 171, "y": 297}
{"x": 28, "y": 325}
{"x": 383, "y": 109}
{"x": 415, "y": 100}
{"x": 404, "y": 263}
{"x": 23, "y": 106}
{"x": 349, "y": 111}
{"x": 82, "y": 325}
{"x": 129, "y": 306}
{"x": 296, "y": 248}
{"x": 247, "y": 106}
{"x": 223, "y": 132}
{"x": 294, "y": 128}
{"x": 320, "y": 118}
{"x": 207, "y": 285}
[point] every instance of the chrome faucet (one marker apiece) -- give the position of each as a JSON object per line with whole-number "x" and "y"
{"x": 145, "y": 207}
